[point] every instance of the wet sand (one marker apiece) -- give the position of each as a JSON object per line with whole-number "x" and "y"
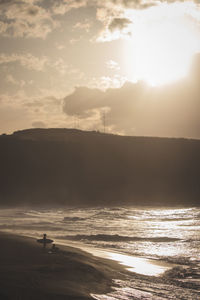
{"x": 27, "y": 271}
{"x": 135, "y": 264}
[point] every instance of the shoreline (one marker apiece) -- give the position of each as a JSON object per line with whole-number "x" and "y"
{"x": 134, "y": 264}
{"x": 27, "y": 271}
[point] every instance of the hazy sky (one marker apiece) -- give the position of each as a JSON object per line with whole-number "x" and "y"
{"x": 66, "y": 63}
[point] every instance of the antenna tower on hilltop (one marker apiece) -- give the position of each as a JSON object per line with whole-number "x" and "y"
{"x": 104, "y": 122}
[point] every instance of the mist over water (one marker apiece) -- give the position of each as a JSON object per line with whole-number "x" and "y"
{"x": 169, "y": 234}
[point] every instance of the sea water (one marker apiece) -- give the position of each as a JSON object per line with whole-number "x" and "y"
{"x": 170, "y": 235}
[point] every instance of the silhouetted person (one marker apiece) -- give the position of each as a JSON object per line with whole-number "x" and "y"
{"x": 54, "y": 249}
{"x": 44, "y": 240}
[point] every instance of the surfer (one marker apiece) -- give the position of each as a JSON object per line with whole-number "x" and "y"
{"x": 44, "y": 240}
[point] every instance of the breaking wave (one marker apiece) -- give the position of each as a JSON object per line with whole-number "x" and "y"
{"x": 73, "y": 219}
{"x": 117, "y": 238}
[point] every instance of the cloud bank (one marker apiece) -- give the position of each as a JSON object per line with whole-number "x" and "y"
{"x": 138, "y": 109}
{"x": 37, "y": 19}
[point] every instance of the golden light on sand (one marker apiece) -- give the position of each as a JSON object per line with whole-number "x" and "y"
{"x": 141, "y": 265}
{"x": 163, "y": 42}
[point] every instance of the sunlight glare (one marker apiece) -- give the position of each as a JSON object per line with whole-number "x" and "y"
{"x": 141, "y": 265}
{"x": 163, "y": 42}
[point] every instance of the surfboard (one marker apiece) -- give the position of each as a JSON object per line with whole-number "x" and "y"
{"x": 47, "y": 241}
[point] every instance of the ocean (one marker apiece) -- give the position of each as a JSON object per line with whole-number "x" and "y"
{"x": 167, "y": 235}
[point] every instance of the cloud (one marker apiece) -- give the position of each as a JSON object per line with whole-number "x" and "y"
{"x": 8, "y": 2}
{"x": 64, "y": 6}
{"x": 83, "y": 101}
{"x": 25, "y": 60}
{"x": 121, "y": 19}
{"x": 40, "y": 64}
{"x": 3, "y": 27}
{"x": 83, "y": 26}
{"x": 47, "y": 112}
{"x": 139, "y": 4}
{"x": 20, "y": 111}
{"x": 119, "y": 24}
{"x": 138, "y": 109}
{"x": 34, "y": 18}
{"x": 12, "y": 80}
{"x": 60, "y": 46}
{"x": 60, "y": 66}
{"x": 105, "y": 82}
{"x": 25, "y": 19}
{"x": 119, "y": 6}
{"x": 37, "y": 19}
{"x": 114, "y": 18}
{"x": 117, "y": 28}
{"x": 135, "y": 4}
{"x": 111, "y": 64}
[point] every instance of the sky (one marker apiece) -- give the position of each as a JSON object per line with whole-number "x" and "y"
{"x": 75, "y": 63}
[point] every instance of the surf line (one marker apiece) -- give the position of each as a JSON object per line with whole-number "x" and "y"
{"x": 139, "y": 265}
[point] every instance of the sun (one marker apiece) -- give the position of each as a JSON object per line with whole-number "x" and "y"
{"x": 163, "y": 41}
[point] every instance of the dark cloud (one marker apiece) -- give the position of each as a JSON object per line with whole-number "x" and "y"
{"x": 33, "y": 11}
{"x": 83, "y": 101}
{"x": 18, "y": 2}
{"x": 6, "y": 2}
{"x": 136, "y": 4}
{"x": 119, "y": 23}
{"x": 138, "y": 109}
{"x": 140, "y": 4}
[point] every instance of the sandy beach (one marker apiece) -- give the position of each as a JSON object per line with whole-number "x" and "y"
{"x": 27, "y": 271}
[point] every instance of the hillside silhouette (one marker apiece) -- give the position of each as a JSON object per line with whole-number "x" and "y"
{"x": 73, "y": 167}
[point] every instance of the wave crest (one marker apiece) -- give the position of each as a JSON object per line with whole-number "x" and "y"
{"x": 117, "y": 238}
